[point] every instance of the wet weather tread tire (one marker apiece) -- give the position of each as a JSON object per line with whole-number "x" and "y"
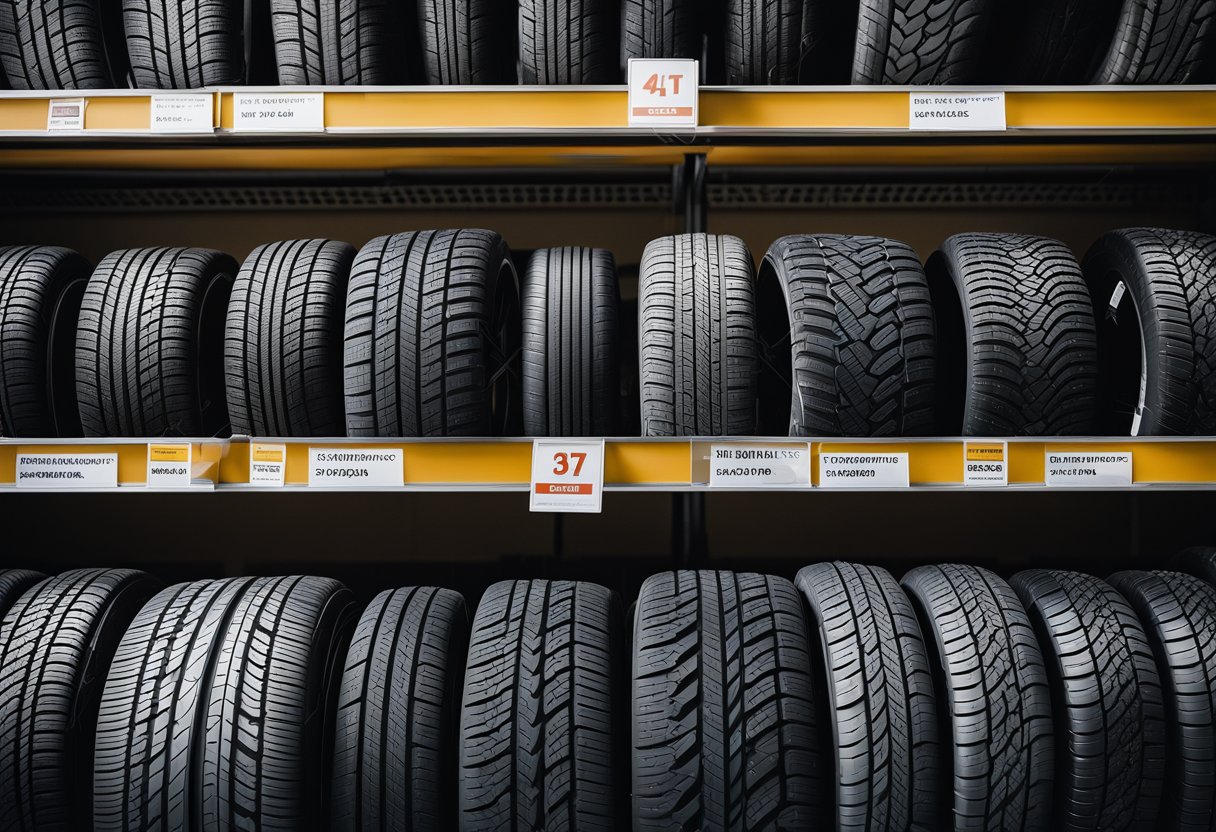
{"x": 398, "y": 707}
{"x": 13, "y": 583}
{"x": 282, "y": 340}
{"x": 1106, "y": 701}
{"x": 995, "y": 701}
{"x": 40, "y": 292}
{"x": 662, "y": 28}
{"x": 570, "y": 307}
{"x": 432, "y": 324}
{"x": 1162, "y": 42}
{"x": 215, "y": 709}
{"x": 699, "y": 357}
{"x": 1049, "y": 41}
{"x": 1016, "y": 337}
{"x": 147, "y": 341}
{"x": 184, "y": 44}
{"x": 879, "y": 691}
{"x": 1165, "y": 313}
{"x": 724, "y": 733}
{"x": 56, "y": 644}
{"x": 920, "y": 41}
{"x": 851, "y": 317}
{"x": 569, "y": 42}
{"x": 340, "y": 42}
{"x": 1179, "y": 616}
{"x": 468, "y": 41}
{"x": 539, "y": 724}
{"x": 763, "y": 41}
{"x": 53, "y": 45}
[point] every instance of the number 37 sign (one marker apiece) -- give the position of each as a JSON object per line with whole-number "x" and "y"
{"x": 662, "y": 92}
{"x": 567, "y": 475}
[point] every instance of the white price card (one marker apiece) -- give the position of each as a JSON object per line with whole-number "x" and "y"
{"x": 356, "y": 467}
{"x": 986, "y": 463}
{"x": 267, "y": 464}
{"x": 67, "y": 470}
{"x": 1087, "y": 469}
{"x": 169, "y": 465}
{"x": 278, "y": 112}
{"x": 182, "y": 112}
{"x": 663, "y": 92}
{"x": 863, "y": 470}
{"x": 977, "y": 111}
{"x": 65, "y": 114}
{"x": 567, "y": 475}
{"x": 759, "y": 466}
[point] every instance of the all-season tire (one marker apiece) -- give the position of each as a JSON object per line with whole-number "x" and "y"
{"x": 875, "y": 679}
{"x": 921, "y": 41}
{"x": 432, "y": 334}
{"x": 699, "y": 356}
{"x": 40, "y": 292}
{"x": 184, "y": 44}
{"x": 1162, "y": 42}
{"x": 148, "y": 343}
{"x": 724, "y": 731}
{"x": 53, "y": 45}
{"x": 56, "y": 645}
{"x": 995, "y": 700}
{"x": 341, "y": 42}
{"x": 468, "y": 41}
{"x": 283, "y": 340}
{"x": 1048, "y": 41}
{"x": 1017, "y": 344}
{"x": 662, "y": 29}
{"x": 540, "y": 721}
{"x": 1179, "y": 616}
{"x": 13, "y": 584}
{"x": 569, "y": 42}
{"x": 1106, "y": 699}
{"x": 1156, "y": 305}
{"x": 846, "y": 327}
{"x": 570, "y": 372}
{"x": 398, "y": 709}
{"x": 764, "y": 41}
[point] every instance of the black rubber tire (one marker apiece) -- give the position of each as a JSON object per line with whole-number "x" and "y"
{"x": 1017, "y": 343}
{"x": 724, "y": 729}
{"x": 1179, "y": 615}
{"x": 540, "y": 726}
{"x": 569, "y": 42}
{"x": 219, "y": 705}
{"x": 1162, "y": 42}
{"x": 1106, "y": 699}
{"x": 846, "y": 331}
{"x": 341, "y": 42}
{"x": 184, "y": 44}
{"x": 875, "y": 679}
{"x": 283, "y": 340}
{"x": 468, "y": 41}
{"x": 570, "y": 372}
{"x": 56, "y": 645}
{"x": 1199, "y": 561}
{"x": 40, "y": 292}
{"x": 699, "y": 359}
{"x": 1048, "y": 41}
{"x": 994, "y": 699}
{"x": 764, "y": 41}
{"x": 398, "y": 709}
{"x": 53, "y": 45}
{"x": 921, "y": 41}
{"x": 148, "y": 342}
{"x": 432, "y": 335}
{"x": 1159, "y": 345}
{"x": 663, "y": 29}
{"x": 13, "y": 584}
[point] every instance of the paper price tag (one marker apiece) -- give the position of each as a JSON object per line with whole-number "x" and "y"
{"x": 267, "y": 465}
{"x": 567, "y": 476}
{"x": 663, "y": 92}
{"x": 67, "y": 470}
{"x": 977, "y": 111}
{"x": 182, "y": 112}
{"x": 169, "y": 465}
{"x": 278, "y": 112}
{"x": 1079, "y": 470}
{"x": 863, "y": 470}
{"x": 759, "y": 466}
{"x": 65, "y": 114}
{"x": 356, "y": 467}
{"x": 986, "y": 463}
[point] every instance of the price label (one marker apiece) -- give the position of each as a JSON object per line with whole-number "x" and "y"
{"x": 182, "y": 112}
{"x": 759, "y": 466}
{"x": 356, "y": 467}
{"x": 169, "y": 465}
{"x": 67, "y": 470}
{"x": 267, "y": 464}
{"x": 974, "y": 111}
{"x": 1079, "y": 470}
{"x": 567, "y": 476}
{"x": 986, "y": 463}
{"x": 663, "y": 92}
{"x": 854, "y": 470}
{"x": 65, "y": 114}
{"x": 278, "y": 112}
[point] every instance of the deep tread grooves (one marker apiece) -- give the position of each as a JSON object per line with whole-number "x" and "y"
{"x": 340, "y": 42}
{"x": 468, "y": 41}
{"x": 764, "y": 41}
{"x": 53, "y": 45}
{"x": 662, "y": 28}
{"x": 1162, "y": 42}
{"x": 569, "y": 42}
{"x": 184, "y": 44}
{"x": 921, "y": 41}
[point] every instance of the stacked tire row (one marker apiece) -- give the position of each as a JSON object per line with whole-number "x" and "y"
{"x": 162, "y": 44}
{"x": 847, "y": 700}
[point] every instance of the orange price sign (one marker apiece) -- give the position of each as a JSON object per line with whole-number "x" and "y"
{"x": 567, "y": 475}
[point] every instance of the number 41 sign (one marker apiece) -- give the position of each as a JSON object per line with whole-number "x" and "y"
{"x": 662, "y": 92}
{"x": 567, "y": 475}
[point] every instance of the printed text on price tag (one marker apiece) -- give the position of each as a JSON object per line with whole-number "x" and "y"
{"x": 986, "y": 463}
{"x": 356, "y": 467}
{"x": 169, "y": 465}
{"x": 662, "y": 92}
{"x": 567, "y": 475}
{"x": 863, "y": 470}
{"x": 1087, "y": 469}
{"x": 67, "y": 470}
{"x": 759, "y": 466}
{"x": 267, "y": 464}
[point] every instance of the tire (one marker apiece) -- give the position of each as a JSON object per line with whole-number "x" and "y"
{"x": 699, "y": 355}
{"x": 662, "y": 29}
{"x": 1162, "y": 42}
{"x": 1106, "y": 697}
{"x": 856, "y": 315}
{"x": 53, "y": 45}
{"x": 570, "y": 372}
{"x": 1199, "y": 561}
{"x": 217, "y": 707}
{"x": 40, "y": 292}
{"x": 432, "y": 332}
{"x": 1179, "y": 616}
{"x": 724, "y": 733}
{"x": 540, "y": 721}
{"x": 1049, "y": 41}
{"x": 1159, "y": 342}
{"x": 995, "y": 700}
{"x": 56, "y": 644}
{"x": 763, "y": 41}
{"x": 875, "y": 679}
{"x": 468, "y": 41}
{"x": 921, "y": 41}
{"x": 148, "y": 342}
{"x": 283, "y": 340}
{"x": 184, "y": 44}
{"x": 398, "y": 708}
{"x": 13, "y": 584}
{"x": 340, "y": 42}
{"x": 1016, "y": 338}
{"x": 579, "y": 46}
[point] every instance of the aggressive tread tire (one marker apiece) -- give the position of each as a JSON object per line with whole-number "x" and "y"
{"x": 920, "y": 41}
{"x": 184, "y": 44}
{"x": 340, "y": 42}
{"x": 1162, "y": 42}
{"x": 53, "y": 45}
{"x": 569, "y": 42}
{"x": 764, "y": 41}
{"x": 468, "y": 41}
